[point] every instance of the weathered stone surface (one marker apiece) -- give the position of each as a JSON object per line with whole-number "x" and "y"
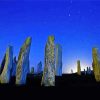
{"x": 48, "y": 78}
{"x": 78, "y": 68}
{"x": 13, "y": 73}
{"x": 96, "y": 64}
{"x": 2, "y": 64}
{"x": 39, "y": 67}
{"x": 58, "y": 59}
{"x": 6, "y": 73}
{"x": 23, "y": 62}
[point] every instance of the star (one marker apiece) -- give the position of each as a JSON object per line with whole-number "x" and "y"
{"x": 69, "y": 15}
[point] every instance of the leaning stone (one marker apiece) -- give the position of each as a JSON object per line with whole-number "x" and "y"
{"x": 23, "y": 62}
{"x": 2, "y": 64}
{"x": 6, "y": 73}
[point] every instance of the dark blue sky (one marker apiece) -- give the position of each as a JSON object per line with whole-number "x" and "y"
{"x": 75, "y": 25}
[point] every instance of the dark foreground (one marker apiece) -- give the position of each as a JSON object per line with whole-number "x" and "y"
{"x": 67, "y": 86}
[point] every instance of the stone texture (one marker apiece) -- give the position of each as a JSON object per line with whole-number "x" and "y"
{"x": 96, "y": 63}
{"x": 58, "y": 59}
{"x": 78, "y": 68}
{"x": 23, "y": 62}
{"x": 6, "y": 73}
{"x": 13, "y": 72}
{"x": 2, "y": 64}
{"x": 39, "y": 67}
{"x": 48, "y": 78}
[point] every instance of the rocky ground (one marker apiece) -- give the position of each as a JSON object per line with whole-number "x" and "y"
{"x": 67, "y": 86}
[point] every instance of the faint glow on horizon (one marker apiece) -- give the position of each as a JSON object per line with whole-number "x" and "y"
{"x": 67, "y": 68}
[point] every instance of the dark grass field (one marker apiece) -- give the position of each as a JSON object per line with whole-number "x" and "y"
{"x": 67, "y": 86}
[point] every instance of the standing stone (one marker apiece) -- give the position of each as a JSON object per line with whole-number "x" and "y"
{"x": 48, "y": 78}
{"x": 23, "y": 62}
{"x": 88, "y": 70}
{"x": 39, "y": 67}
{"x": 84, "y": 71}
{"x": 32, "y": 70}
{"x": 2, "y": 64}
{"x": 58, "y": 59}
{"x": 96, "y": 64}
{"x": 14, "y": 67}
{"x": 6, "y": 73}
{"x": 71, "y": 71}
{"x": 78, "y": 68}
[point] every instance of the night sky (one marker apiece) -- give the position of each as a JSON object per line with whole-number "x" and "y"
{"x": 74, "y": 23}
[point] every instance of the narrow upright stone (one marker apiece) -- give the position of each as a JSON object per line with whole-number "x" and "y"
{"x": 23, "y": 62}
{"x": 87, "y": 70}
{"x": 71, "y": 71}
{"x": 32, "y": 70}
{"x": 96, "y": 64}
{"x": 39, "y": 67}
{"x": 48, "y": 78}
{"x": 84, "y": 72}
{"x": 6, "y": 73}
{"x": 90, "y": 72}
{"x": 78, "y": 68}
{"x": 58, "y": 59}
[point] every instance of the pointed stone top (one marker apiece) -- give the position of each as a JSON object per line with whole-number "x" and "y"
{"x": 51, "y": 38}
{"x": 28, "y": 40}
{"x": 9, "y": 46}
{"x": 78, "y": 61}
{"x": 94, "y": 50}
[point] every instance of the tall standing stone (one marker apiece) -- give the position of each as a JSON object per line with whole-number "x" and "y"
{"x": 96, "y": 64}
{"x": 58, "y": 59}
{"x": 39, "y": 67}
{"x": 48, "y": 78}
{"x": 23, "y": 62}
{"x": 13, "y": 73}
{"x": 78, "y": 68}
{"x": 6, "y": 73}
